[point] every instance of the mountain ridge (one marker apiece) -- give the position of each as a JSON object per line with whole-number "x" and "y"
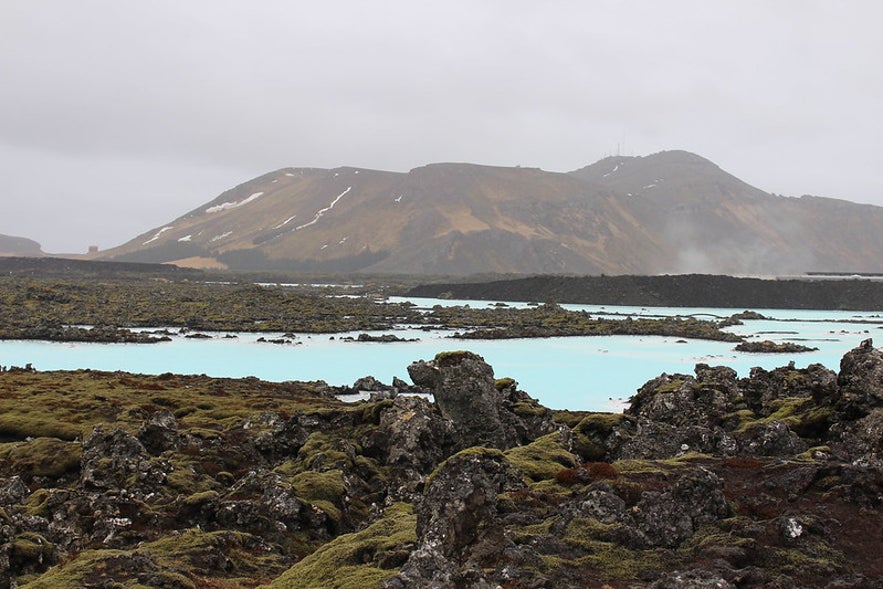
{"x": 669, "y": 212}
{"x": 19, "y": 246}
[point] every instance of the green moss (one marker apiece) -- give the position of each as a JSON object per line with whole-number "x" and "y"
{"x": 785, "y": 408}
{"x": 716, "y": 535}
{"x": 321, "y": 489}
{"x": 592, "y": 430}
{"x": 800, "y": 414}
{"x": 813, "y": 556}
{"x": 197, "y": 499}
{"x": 811, "y": 423}
{"x": 569, "y": 418}
{"x": 609, "y": 560}
{"x": 452, "y": 358}
{"x": 584, "y": 532}
{"x": 670, "y": 387}
{"x": 600, "y": 422}
{"x": 30, "y": 547}
{"x": 528, "y": 409}
{"x": 637, "y": 466}
{"x": 313, "y": 485}
{"x": 87, "y": 564}
{"x": 813, "y": 454}
{"x": 18, "y": 424}
{"x": 503, "y": 383}
{"x": 541, "y": 459}
{"x": 320, "y": 447}
{"x": 523, "y": 534}
{"x": 738, "y": 420}
{"x": 45, "y": 457}
{"x": 362, "y": 560}
{"x": 37, "y": 503}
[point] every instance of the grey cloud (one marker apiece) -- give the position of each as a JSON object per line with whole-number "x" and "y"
{"x": 193, "y": 94}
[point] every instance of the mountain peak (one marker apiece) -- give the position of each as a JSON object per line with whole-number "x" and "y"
{"x": 668, "y": 212}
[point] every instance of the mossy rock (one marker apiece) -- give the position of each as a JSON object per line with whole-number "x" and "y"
{"x": 37, "y": 503}
{"x": 670, "y": 465}
{"x": 542, "y": 459}
{"x": 590, "y": 432}
{"x": 29, "y": 548}
{"x": 23, "y": 424}
{"x": 322, "y": 448}
{"x": 480, "y": 452}
{"x": 321, "y": 489}
{"x": 202, "y": 498}
{"x": 800, "y": 414}
{"x": 453, "y": 358}
{"x": 569, "y": 418}
{"x": 592, "y": 548}
{"x": 362, "y": 560}
{"x": 529, "y": 409}
{"x": 90, "y": 564}
{"x": 45, "y": 457}
{"x": 504, "y": 383}
{"x": 171, "y": 562}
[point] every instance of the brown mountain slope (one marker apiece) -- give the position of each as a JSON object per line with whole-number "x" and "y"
{"x": 19, "y": 246}
{"x": 665, "y": 213}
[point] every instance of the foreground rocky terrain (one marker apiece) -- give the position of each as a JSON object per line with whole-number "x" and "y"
{"x": 707, "y": 480}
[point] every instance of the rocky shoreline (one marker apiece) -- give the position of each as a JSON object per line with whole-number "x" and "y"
{"x": 706, "y": 480}
{"x": 52, "y": 309}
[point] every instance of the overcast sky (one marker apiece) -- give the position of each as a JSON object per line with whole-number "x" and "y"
{"x": 117, "y": 116}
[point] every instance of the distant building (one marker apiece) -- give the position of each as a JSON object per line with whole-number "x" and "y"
{"x": 93, "y": 249}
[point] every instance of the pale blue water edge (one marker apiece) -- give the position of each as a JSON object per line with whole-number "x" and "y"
{"x": 580, "y": 373}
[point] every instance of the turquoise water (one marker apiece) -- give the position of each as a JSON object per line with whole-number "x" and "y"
{"x": 585, "y": 373}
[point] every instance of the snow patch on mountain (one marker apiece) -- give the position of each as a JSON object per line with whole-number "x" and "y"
{"x": 285, "y": 222}
{"x": 234, "y": 204}
{"x": 158, "y": 233}
{"x": 611, "y": 171}
{"x": 325, "y": 210}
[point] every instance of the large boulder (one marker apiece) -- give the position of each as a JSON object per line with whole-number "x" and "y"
{"x": 457, "y": 522}
{"x": 680, "y": 399}
{"x": 483, "y": 411}
{"x": 114, "y": 459}
{"x": 763, "y": 387}
{"x": 860, "y": 381}
{"x": 670, "y": 517}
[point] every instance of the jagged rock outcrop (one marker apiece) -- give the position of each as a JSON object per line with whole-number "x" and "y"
{"x": 668, "y": 518}
{"x": 457, "y": 523}
{"x": 412, "y": 439}
{"x": 465, "y": 392}
{"x": 114, "y": 460}
{"x": 462, "y": 384}
{"x": 860, "y": 380}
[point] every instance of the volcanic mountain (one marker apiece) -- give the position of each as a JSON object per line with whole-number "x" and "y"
{"x": 671, "y": 212}
{"x": 19, "y": 246}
